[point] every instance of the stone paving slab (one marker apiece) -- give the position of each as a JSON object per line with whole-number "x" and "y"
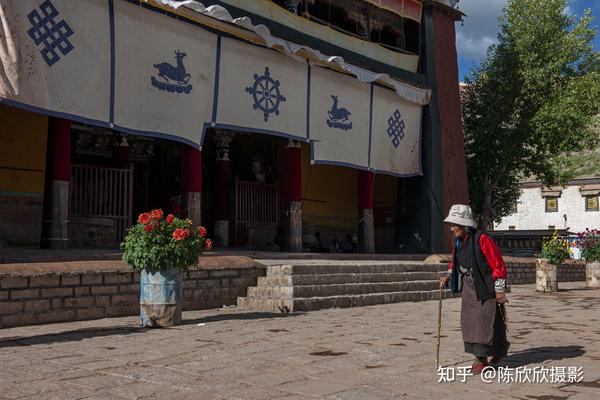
{"x": 365, "y": 353}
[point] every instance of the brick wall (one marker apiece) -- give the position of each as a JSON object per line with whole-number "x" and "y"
{"x": 523, "y": 272}
{"x": 41, "y": 298}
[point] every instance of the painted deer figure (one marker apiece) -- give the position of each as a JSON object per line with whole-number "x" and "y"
{"x": 169, "y": 72}
{"x": 338, "y": 114}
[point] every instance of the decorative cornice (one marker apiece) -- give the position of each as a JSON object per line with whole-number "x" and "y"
{"x": 574, "y": 182}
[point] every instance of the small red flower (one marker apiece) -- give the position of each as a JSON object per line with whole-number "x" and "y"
{"x": 202, "y": 231}
{"x": 144, "y": 218}
{"x": 148, "y": 228}
{"x": 169, "y": 219}
{"x": 156, "y": 214}
{"x": 208, "y": 244}
{"x": 180, "y": 234}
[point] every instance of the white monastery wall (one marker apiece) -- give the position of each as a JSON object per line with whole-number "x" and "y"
{"x": 531, "y": 212}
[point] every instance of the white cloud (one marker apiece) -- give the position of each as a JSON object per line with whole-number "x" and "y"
{"x": 569, "y": 10}
{"x": 480, "y": 28}
{"x": 473, "y": 48}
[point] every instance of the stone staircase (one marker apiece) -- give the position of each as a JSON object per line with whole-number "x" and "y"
{"x": 314, "y": 286}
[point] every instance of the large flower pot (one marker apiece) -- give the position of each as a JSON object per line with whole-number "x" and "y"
{"x": 592, "y": 274}
{"x": 546, "y": 276}
{"x": 160, "y": 298}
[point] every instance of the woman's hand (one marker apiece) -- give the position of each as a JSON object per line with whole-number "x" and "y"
{"x": 501, "y": 298}
{"x": 444, "y": 279}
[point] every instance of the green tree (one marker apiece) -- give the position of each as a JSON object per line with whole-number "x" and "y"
{"x": 533, "y": 98}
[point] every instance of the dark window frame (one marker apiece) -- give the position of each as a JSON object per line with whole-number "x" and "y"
{"x": 587, "y": 199}
{"x": 547, "y": 199}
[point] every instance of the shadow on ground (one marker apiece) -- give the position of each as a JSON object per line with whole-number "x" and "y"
{"x": 88, "y": 333}
{"x": 241, "y": 316}
{"x": 70, "y": 336}
{"x": 538, "y": 355}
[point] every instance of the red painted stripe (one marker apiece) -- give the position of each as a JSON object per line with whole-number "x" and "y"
{"x": 59, "y": 149}
{"x": 191, "y": 170}
{"x": 365, "y": 189}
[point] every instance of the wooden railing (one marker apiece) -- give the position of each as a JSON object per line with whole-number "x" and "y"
{"x": 255, "y": 204}
{"x": 103, "y": 193}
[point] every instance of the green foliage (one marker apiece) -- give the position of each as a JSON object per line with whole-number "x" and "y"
{"x": 589, "y": 243}
{"x": 157, "y": 243}
{"x": 555, "y": 249}
{"x": 533, "y": 98}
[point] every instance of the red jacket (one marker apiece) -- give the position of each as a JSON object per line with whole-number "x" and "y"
{"x": 491, "y": 251}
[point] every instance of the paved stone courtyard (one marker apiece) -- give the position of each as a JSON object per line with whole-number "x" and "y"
{"x": 378, "y": 352}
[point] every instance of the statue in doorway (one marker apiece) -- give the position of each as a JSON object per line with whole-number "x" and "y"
{"x": 257, "y": 168}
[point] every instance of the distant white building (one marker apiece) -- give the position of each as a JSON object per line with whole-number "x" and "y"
{"x": 573, "y": 207}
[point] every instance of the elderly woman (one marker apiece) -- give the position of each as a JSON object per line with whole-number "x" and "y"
{"x": 477, "y": 270}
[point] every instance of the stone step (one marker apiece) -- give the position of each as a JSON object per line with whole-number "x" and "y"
{"x": 356, "y": 268}
{"x": 363, "y": 288}
{"x": 270, "y": 292}
{"x": 317, "y": 303}
{"x": 288, "y": 292}
{"x": 265, "y": 305}
{"x": 336, "y": 279}
{"x": 312, "y": 286}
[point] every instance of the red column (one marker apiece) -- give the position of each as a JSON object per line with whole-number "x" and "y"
{"x": 365, "y": 189}
{"x": 191, "y": 183}
{"x": 293, "y": 175}
{"x": 121, "y": 152}
{"x": 58, "y": 174}
{"x": 191, "y": 170}
{"x": 293, "y": 194}
{"x": 222, "y": 141}
{"x": 59, "y": 150}
{"x": 222, "y": 191}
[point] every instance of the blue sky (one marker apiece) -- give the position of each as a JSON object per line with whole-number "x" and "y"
{"x": 481, "y": 28}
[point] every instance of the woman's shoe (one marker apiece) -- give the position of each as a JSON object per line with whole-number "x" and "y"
{"x": 478, "y": 366}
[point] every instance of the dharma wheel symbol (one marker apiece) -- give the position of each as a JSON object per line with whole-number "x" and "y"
{"x": 266, "y": 94}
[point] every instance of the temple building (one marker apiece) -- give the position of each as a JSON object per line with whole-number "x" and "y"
{"x": 296, "y": 125}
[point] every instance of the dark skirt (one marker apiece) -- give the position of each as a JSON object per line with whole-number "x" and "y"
{"x": 481, "y": 324}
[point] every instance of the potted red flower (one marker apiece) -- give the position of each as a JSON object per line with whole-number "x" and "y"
{"x": 589, "y": 243}
{"x": 161, "y": 248}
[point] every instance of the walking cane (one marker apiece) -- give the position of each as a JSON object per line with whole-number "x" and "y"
{"x": 504, "y": 316}
{"x": 439, "y": 332}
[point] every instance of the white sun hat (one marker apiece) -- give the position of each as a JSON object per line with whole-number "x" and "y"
{"x": 461, "y": 215}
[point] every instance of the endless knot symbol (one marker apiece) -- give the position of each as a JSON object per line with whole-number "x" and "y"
{"x": 395, "y": 128}
{"x": 266, "y": 94}
{"x": 53, "y": 35}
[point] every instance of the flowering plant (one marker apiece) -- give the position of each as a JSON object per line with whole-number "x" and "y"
{"x": 589, "y": 243}
{"x": 555, "y": 249}
{"x": 157, "y": 242}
